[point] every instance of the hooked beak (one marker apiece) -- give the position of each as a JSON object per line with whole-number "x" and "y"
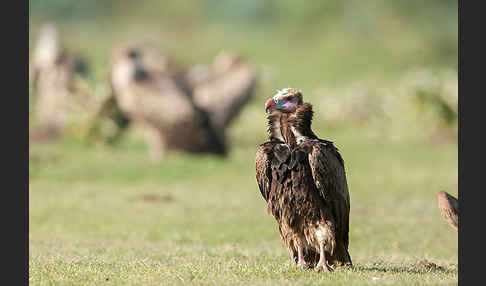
{"x": 270, "y": 102}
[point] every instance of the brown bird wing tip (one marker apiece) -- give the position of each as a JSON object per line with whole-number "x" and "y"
{"x": 449, "y": 208}
{"x": 445, "y": 198}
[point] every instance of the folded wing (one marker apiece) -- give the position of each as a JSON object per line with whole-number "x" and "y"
{"x": 330, "y": 179}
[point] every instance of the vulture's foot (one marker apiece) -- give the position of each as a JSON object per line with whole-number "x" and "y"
{"x": 322, "y": 264}
{"x": 323, "y": 267}
{"x": 157, "y": 145}
{"x": 303, "y": 265}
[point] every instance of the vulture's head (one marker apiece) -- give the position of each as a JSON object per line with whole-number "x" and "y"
{"x": 139, "y": 61}
{"x": 48, "y": 47}
{"x": 128, "y": 65}
{"x": 286, "y": 100}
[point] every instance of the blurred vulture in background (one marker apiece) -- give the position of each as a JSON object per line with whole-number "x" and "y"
{"x": 449, "y": 208}
{"x": 222, "y": 89}
{"x": 52, "y": 74}
{"x": 176, "y": 109}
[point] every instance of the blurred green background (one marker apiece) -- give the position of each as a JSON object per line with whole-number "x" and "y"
{"x": 306, "y": 43}
{"x": 382, "y": 76}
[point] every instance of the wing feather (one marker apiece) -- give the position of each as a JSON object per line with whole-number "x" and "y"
{"x": 224, "y": 94}
{"x": 263, "y": 169}
{"x": 328, "y": 170}
{"x": 449, "y": 208}
{"x": 330, "y": 179}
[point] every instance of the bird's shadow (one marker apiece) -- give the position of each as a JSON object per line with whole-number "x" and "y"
{"x": 421, "y": 267}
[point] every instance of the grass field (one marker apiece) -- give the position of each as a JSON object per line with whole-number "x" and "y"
{"x": 105, "y": 215}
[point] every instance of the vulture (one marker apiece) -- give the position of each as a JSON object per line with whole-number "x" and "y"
{"x": 148, "y": 59}
{"x": 177, "y": 109}
{"x": 52, "y": 73}
{"x": 449, "y": 208}
{"x": 223, "y": 88}
{"x": 302, "y": 179}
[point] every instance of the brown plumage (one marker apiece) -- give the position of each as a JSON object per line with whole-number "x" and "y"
{"x": 53, "y": 73}
{"x": 175, "y": 110}
{"x": 303, "y": 181}
{"x": 160, "y": 104}
{"x": 224, "y": 88}
{"x": 148, "y": 59}
{"x": 449, "y": 208}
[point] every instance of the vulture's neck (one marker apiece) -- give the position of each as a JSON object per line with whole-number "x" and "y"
{"x": 291, "y": 128}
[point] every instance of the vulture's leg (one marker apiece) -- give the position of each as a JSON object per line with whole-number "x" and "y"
{"x": 300, "y": 257}
{"x": 156, "y": 143}
{"x": 322, "y": 264}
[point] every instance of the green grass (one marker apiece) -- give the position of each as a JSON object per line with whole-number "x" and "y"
{"x": 89, "y": 221}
